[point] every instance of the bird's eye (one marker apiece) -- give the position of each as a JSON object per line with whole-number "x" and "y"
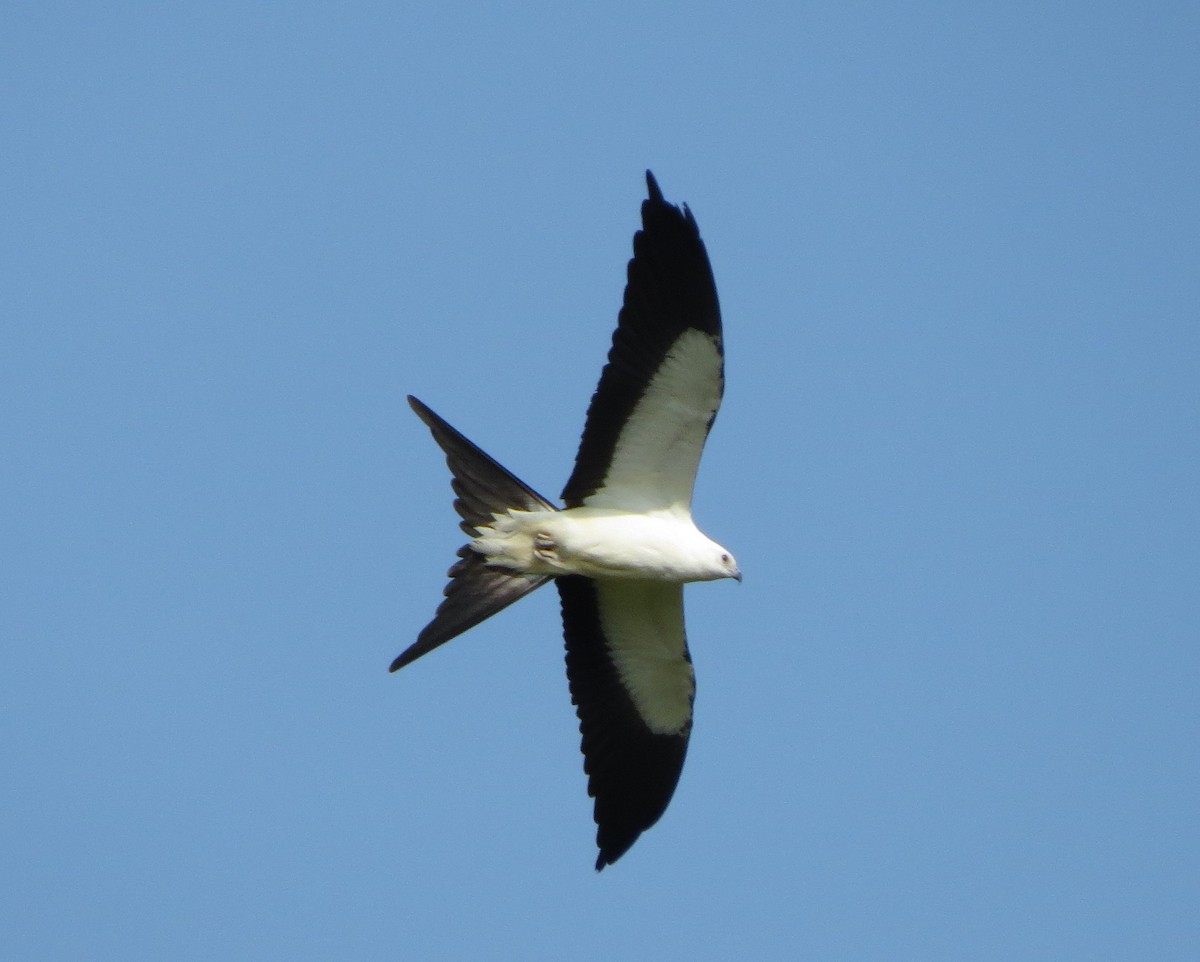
{"x": 725, "y": 559}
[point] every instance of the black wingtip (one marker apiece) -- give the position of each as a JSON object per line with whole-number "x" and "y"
{"x": 656, "y": 199}
{"x": 652, "y": 187}
{"x": 612, "y": 854}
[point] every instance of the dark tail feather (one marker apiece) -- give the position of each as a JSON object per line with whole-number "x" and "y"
{"x": 482, "y": 485}
{"x": 476, "y": 591}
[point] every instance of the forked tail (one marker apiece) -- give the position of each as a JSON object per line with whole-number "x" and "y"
{"x": 482, "y": 488}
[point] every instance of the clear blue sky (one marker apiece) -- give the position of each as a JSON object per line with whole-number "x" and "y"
{"x": 952, "y": 713}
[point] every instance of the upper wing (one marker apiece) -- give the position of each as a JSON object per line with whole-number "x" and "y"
{"x": 662, "y": 385}
{"x": 632, "y": 684}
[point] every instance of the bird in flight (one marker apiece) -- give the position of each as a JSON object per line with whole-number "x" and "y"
{"x": 624, "y": 545}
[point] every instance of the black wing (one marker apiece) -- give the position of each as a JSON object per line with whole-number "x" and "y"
{"x": 632, "y": 684}
{"x": 659, "y": 392}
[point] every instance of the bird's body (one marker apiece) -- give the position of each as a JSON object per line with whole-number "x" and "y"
{"x": 624, "y": 544}
{"x": 660, "y": 545}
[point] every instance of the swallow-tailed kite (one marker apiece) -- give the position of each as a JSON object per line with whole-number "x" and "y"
{"x": 625, "y": 544}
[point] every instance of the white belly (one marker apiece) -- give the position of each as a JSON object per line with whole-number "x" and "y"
{"x": 599, "y": 543}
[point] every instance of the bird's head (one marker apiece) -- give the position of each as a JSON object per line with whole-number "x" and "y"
{"x": 722, "y": 564}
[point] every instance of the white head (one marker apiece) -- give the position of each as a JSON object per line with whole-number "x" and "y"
{"x": 720, "y": 563}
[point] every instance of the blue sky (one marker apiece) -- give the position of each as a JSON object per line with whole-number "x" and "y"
{"x": 952, "y": 711}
